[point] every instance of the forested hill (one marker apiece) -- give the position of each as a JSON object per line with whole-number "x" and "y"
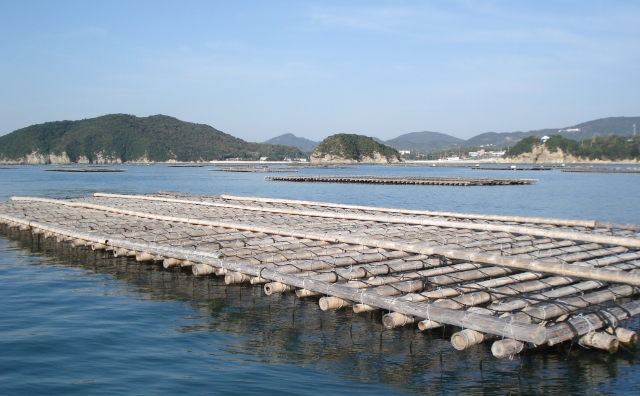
{"x": 127, "y": 138}
{"x": 352, "y": 148}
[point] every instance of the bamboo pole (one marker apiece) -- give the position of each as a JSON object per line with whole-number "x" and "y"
{"x": 606, "y": 342}
{"x": 396, "y": 319}
{"x": 517, "y": 219}
{"x": 466, "y": 338}
{"x": 506, "y": 348}
{"x": 625, "y": 336}
{"x": 531, "y": 265}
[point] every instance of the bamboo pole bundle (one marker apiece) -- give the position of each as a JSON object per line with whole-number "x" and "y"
{"x": 331, "y": 277}
{"x": 274, "y": 247}
{"x": 575, "y": 253}
{"x": 520, "y": 303}
{"x": 555, "y": 309}
{"x": 381, "y": 269}
{"x": 405, "y": 276}
{"x": 464, "y": 276}
{"x": 475, "y": 286}
{"x": 584, "y": 324}
{"x": 606, "y": 261}
{"x": 532, "y": 246}
{"x": 484, "y": 296}
{"x": 355, "y": 265}
{"x": 398, "y": 288}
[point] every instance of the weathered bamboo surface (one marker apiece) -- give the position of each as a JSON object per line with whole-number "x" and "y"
{"x": 516, "y": 281}
{"x": 411, "y": 180}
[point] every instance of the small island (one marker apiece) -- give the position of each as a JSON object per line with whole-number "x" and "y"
{"x": 352, "y": 149}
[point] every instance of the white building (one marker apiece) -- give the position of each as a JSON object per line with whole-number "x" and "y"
{"x": 404, "y": 152}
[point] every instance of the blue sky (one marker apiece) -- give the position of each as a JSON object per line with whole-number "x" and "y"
{"x": 259, "y": 69}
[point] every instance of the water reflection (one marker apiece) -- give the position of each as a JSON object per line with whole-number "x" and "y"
{"x": 288, "y": 330}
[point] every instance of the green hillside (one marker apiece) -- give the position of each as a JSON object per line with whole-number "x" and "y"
{"x": 289, "y": 139}
{"x": 128, "y": 138}
{"x": 426, "y": 142}
{"x": 353, "y": 147}
{"x": 610, "y": 148}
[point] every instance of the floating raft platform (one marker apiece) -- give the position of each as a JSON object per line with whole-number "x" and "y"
{"x": 586, "y": 169}
{"x": 262, "y": 169}
{"x": 514, "y": 282}
{"x": 413, "y": 180}
{"x": 513, "y": 168}
{"x": 84, "y": 170}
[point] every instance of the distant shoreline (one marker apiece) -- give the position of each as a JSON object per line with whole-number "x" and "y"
{"x": 416, "y": 162}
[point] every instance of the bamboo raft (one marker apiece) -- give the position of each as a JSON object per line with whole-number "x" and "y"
{"x": 411, "y": 180}
{"x": 257, "y": 169}
{"x": 512, "y": 168}
{"x": 84, "y": 170}
{"x": 601, "y": 170}
{"x": 516, "y": 282}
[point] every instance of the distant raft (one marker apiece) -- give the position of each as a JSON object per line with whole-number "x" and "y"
{"x": 589, "y": 169}
{"x": 411, "y": 180}
{"x": 255, "y": 169}
{"x": 84, "y": 170}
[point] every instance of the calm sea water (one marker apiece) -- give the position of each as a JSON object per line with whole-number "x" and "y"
{"x": 74, "y": 321}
